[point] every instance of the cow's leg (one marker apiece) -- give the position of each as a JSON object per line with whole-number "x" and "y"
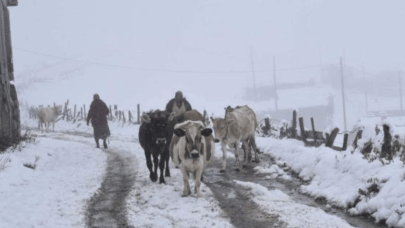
{"x": 162, "y": 168}
{"x": 167, "y": 171}
{"x": 237, "y": 157}
{"x": 197, "y": 178}
{"x": 223, "y": 147}
{"x": 155, "y": 167}
{"x": 252, "y": 143}
{"x": 248, "y": 154}
{"x": 149, "y": 165}
{"x": 186, "y": 188}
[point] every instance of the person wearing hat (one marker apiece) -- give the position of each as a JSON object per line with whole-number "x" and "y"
{"x": 98, "y": 115}
{"x": 178, "y": 104}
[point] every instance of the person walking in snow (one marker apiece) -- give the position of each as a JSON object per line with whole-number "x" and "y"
{"x": 178, "y": 104}
{"x": 98, "y": 115}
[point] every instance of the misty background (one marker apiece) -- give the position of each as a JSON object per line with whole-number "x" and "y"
{"x": 142, "y": 52}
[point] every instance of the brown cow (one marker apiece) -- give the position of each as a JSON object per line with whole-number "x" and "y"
{"x": 239, "y": 125}
{"x": 191, "y": 149}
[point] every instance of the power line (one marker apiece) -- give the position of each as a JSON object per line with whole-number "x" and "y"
{"x": 167, "y": 70}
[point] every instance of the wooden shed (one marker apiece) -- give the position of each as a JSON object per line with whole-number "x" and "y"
{"x": 10, "y": 128}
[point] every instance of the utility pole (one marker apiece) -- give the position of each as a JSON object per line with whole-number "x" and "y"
{"x": 343, "y": 93}
{"x": 275, "y": 82}
{"x": 400, "y": 91}
{"x": 365, "y": 87}
{"x": 253, "y": 73}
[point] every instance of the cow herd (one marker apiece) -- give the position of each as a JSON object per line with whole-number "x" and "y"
{"x": 190, "y": 144}
{"x": 186, "y": 140}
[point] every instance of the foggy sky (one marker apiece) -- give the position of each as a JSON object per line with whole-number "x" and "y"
{"x": 166, "y": 41}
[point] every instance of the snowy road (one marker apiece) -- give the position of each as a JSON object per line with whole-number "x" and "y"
{"x": 107, "y": 207}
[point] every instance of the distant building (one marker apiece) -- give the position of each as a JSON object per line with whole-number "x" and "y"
{"x": 265, "y": 93}
{"x": 332, "y": 75}
{"x": 307, "y": 98}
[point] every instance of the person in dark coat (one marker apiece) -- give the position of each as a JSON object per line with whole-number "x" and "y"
{"x": 178, "y": 104}
{"x": 98, "y": 114}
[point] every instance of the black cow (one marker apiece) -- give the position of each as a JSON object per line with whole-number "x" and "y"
{"x": 152, "y": 137}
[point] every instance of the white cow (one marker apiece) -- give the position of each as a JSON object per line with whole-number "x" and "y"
{"x": 48, "y": 115}
{"x": 192, "y": 148}
{"x": 237, "y": 127}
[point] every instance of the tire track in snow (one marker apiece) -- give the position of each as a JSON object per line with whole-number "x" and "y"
{"x": 107, "y": 208}
{"x": 242, "y": 211}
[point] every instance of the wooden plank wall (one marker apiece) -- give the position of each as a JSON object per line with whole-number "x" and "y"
{"x": 10, "y": 129}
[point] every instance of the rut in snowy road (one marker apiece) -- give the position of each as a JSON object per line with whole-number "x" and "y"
{"x": 107, "y": 207}
{"x": 243, "y": 212}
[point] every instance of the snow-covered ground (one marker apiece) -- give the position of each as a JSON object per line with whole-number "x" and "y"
{"x": 338, "y": 177}
{"x": 69, "y": 170}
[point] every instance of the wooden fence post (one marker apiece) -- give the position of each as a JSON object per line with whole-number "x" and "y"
{"x": 116, "y": 111}
{"x": 81, "y": 112}
{"x": 313, "y": 130}
{"x": 386, "y": 148}
{"x": 331, "y": 138}
{"x": 303, "y": 133}
{"x": 346, "y": 136}
{"x": 294, "y": 125}
{"x": 74, "y": 114}
{"x": 358, "y": 136}
{"x": 84, "y": 112}
{"x": 139, "y": 113}
{"x": 69, "y": 114}
{"x": 130, "y": 117}
{"x": 267, "y": 126}
{"x": 65, "y": 110}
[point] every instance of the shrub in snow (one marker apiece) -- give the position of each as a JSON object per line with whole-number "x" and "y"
{"x": 32, "y": 165}
{"x": 4, "y": 160}
{"x": 377, "y": 143}
{"x": 28, "y": 137}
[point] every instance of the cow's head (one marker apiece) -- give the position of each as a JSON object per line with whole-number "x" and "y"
{"x": 157, "y": 121}
{"x": 193, "y": 131}
{"x": 57, "y": 110}
{"x": 220, "y": 128}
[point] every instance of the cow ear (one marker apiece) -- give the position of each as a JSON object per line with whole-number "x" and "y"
{"x": 229, "y": 121}
{"x": 206, "y": 132}
{"x": 146, "y": 118}
{"x": 179, "y": 132}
